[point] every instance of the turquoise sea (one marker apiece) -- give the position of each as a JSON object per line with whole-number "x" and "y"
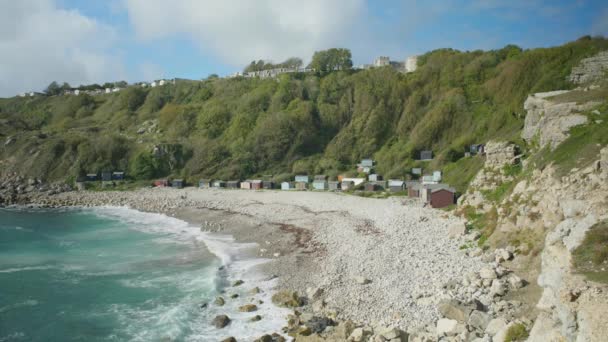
{"x": 115, "y": 274}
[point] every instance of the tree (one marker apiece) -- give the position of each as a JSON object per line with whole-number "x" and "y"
{"x": 53, "y": 89}
{"x": 330, "y": 60}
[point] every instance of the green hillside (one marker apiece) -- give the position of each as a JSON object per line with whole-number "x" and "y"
{"x": 239, "y": 128}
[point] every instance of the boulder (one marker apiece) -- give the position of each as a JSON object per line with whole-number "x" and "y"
{"x": 487, "y": 273}
{"x": 238, "y": 283}
{"x": 255, "y": 318}
{"x": 495, "y": 325}
{"x": 344, "y": 329}
{"x": 248, "y": 308}
{"x": 358, "y": 335}
{"x": 456, "y": 230}
{"x": 229, "y": 339}
{"x": 392, "y": 334}
{"x": 286, "y": 298}
{"x": 318, "y": 324}
{"x": 515, "y": 282}
{"x": 479, "y": 320}
{"x": 446, "y": 327}
{"x": 498, "y": 288}
{"x": 455, "y": 310}
{"x": 219, "y": 301}
{"x": 220, "y": 321}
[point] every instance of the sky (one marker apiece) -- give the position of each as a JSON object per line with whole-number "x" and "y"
{"x": 85, "y": 42}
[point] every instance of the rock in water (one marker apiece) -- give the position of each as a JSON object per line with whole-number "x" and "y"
{"x": 255, "y": 318}
{"x": 220, "y": 321}
{"x": 238, "y": 283}
{"x": 229, "y": 339}
{"x": 219, "y": 301}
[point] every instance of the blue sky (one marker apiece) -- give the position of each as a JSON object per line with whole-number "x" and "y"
{"x": 95, "y": 41}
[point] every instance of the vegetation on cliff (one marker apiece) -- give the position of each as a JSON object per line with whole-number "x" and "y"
{"x": 298, "y": 123}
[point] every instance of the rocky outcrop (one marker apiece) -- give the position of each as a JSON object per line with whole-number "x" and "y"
{"x": 15, "y": 189}
{"x": 571, "y": 308}
{"x": 590, "y": 69}
{"x": 498, "y": 154}
{"x": 551, "y": 121}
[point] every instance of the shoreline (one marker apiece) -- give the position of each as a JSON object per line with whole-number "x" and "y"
{"x": 377, "y": 262}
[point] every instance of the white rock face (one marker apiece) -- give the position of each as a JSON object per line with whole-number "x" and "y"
{"x": 551, "y": 120}
{"x": 590, "y": 69}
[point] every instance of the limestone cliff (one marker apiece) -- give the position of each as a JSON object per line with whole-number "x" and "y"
{"x": 551, "y": 120}
{"x": 550, "y": 213}
{"x": 590, "y": 69}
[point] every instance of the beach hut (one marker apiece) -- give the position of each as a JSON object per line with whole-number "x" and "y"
{"x": 204, "y": 184}
{"x": 177, "y": 183}
{"x": 374, "y": 177}
{"x": 396, "y": 185}
{"x": 106, "y": 176}
{"x": 367, "y": 162}
{"x": 477, "y": 149}
{"x": 371, "y": 187}
{"x": 234, "y": 184}
{"x": 347, "y": 185}
{"x": 437, "y": 195}
{"x": 426, "y": 155}
{"x": 356, "y": 181}
{"x": 161, "y": 183}
{"x": 268, "y": 185}
{"x": 320, "y": 182}
{"x": 91, "y": 177}
{"x": 301, "y": 185}
{"x": 256, "y": 184}
{"x": 219, "y": 184}
{"x": 437, "y": 176}
{"x": 333, "y": 185}
{"x": 119, "y": 175}
{"x": 428, "y": 180}
{"x": 417, "y": 171}
{"x": 288, "y": 186}
{"x": 246, "y": 184}
{"x": 413, "y": 190}
{"x": 302, "y": 179}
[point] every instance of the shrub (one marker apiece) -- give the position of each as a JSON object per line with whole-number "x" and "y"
{"x": 517, "y": 332}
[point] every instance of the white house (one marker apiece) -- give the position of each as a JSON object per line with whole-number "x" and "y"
{"x": 108, "y": 90}
{"x": 153, "y": 84}
{"x": 161, "y": 82}
{"x": 77, "y": 92}
{"x": 115, "y": 90}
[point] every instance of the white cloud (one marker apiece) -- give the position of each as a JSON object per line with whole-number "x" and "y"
{"x": 41, "y": 43}
{"x": 240, "y": 31}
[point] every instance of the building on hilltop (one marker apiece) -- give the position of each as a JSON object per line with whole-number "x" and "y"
{"x": 382, "y": 61}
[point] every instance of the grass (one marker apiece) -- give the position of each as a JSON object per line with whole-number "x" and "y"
{"x": 591, "y": 257}
{"x": 485, "y": 223}
{"x": 460, "y": 173}
{"x": 516, "y": 332}
{"x": 499, "y": 193}
{"x": 527, "y": 241}
{"x": 580, "y": 96}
